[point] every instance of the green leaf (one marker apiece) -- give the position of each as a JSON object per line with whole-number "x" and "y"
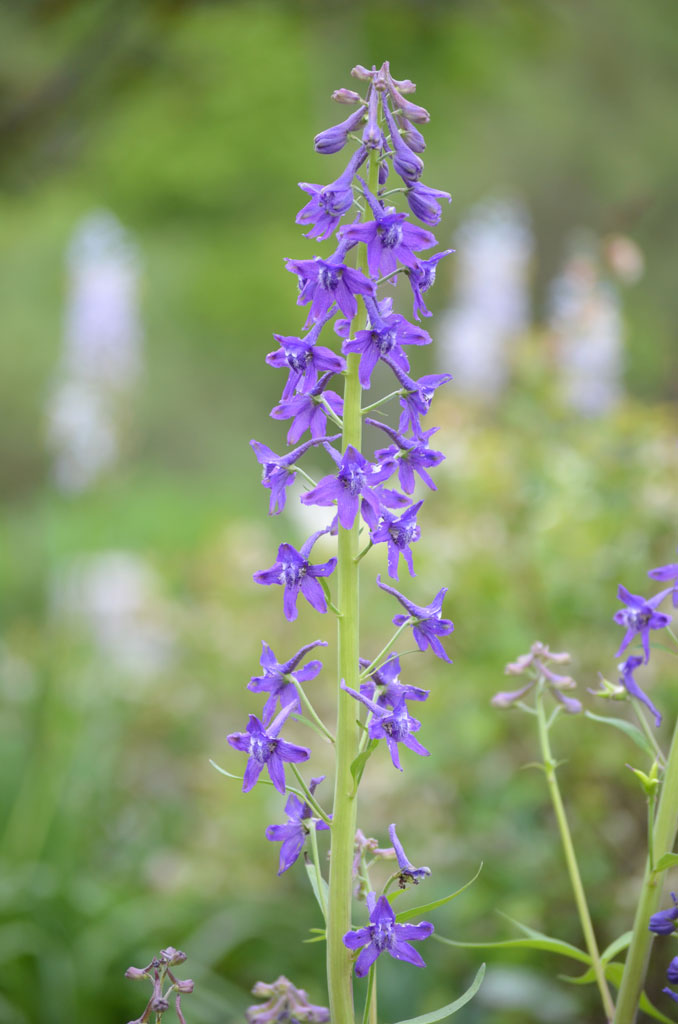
{"x": 358, "y": 764}
{"x": 631, "y": 731}
{"x": 614, "y": 972}
{"x": 314, "y": 879}
{"x": 446, "y": 1011}
{"x": 667, "y": 860}
{"x": 620, "y": 944}
{"x": 425, "y": 908}
{"x": 536, "y": 940}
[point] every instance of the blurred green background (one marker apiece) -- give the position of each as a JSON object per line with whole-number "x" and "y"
{"x": 193, "y": 122}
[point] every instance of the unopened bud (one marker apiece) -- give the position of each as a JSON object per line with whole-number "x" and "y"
{"x": 185, "y": 986}
{"x": 346, "y": 96}
{"x": 360, "y": 72}
{"x": 135, "y": 972}
{"x": 172, "y": 956}
{"x": 159, "y": 1004}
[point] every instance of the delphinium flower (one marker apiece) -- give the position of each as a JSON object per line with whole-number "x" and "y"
{"x": 422, "y": 277}
{"x": 426, "y": 620}
{"x": 284, "y": 1004}
{"x": 639, "y": 617}
{"x": 309, "y": 410}
{"x": 353, "y": 484}
{"x": 672, "y": 977}
{"x": 280, "y": 678}
{"x": 304, "y": 359}
{"x": 384, "y": 686}
{"x": 667, "y": 572}
{"x": 664, "y": 921}
{"x": 394, "y": 724}
{"x": 322, "y": 282}
{"x": 293, "y": 833}
{"x": 165, "y": 984}
{"x": 294, "y": 572}
{"x": 386, "y": 335}
{"x": 408, "y": 872}
{"x": 265, "y": 749}
{"x": 383, "y": 935}
{"x": 536, "y": 665}
{"x": 627, "y": 680}
{"x": 278, "y": 471}
{"x": 398, "y": 532}
{"x": 412, "y": 455}
{"x": 329, "y": 203}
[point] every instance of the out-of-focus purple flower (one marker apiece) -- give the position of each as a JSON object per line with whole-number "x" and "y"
{"x": 383, "y": 339}
{"x": 398, "y": 532}
{"x": 406, "y": 163}
{"x": 294, "y": 572}
{"x": 639, "y": 617}
{"x": 389, "y": 238}
{"x": 353, "y": 482}
{"x": 427, "y": 624}
{"x": 293, "y": 833}
{"x": 284, "y": 1003}
{"x": 279, "y": 678}
{"x": 277, "y": 471}
{"x": 304, "y": 359}
{"x": 308, "y": 412}
{"x": 329, "y": 203}
{"x": 536, "y": 663}
{"x": 670, "y": 992}
{"x": 422, "y": 276}
{"x": 384, "y": 686}
{"x": 408, "y": 872}
{"x": 322, "y": 282}
{"x": 424, "y": 202}
{"x": 412, "y": 455}
{"x": 383, "y": 935}
{"x": 412, "y": 111}
{"x": 664, "y": 921}
{"x": 395, "y": 725}
{"x": 627, "y": 668}
{"x": 264, "y": 748}
{"x": 667, "y": 572}
{"x": 672, "y": 971}
{"x": 333, "y": 139}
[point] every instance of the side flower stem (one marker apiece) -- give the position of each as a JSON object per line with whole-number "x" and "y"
{"x": 339, "y": 961}
{"x": 571, "y": 858}
{"x": 665, "y": 829}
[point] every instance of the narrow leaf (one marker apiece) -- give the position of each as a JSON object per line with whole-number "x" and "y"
{"x": 620, "y": 944}
{"x": 446, "y": 1011}
{"x": 667, "y": 860}
{"x": 321, "y": 894}
{"x": 542, "y": 942}
{"x": 426, "y": 908}
{"x": 631, "y": 731}
{"x": 358, "y": 764}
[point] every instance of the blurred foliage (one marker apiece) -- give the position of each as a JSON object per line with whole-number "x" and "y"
{"x": 116, "y": 837}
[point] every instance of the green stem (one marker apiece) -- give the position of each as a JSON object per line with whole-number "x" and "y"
{"x": 308, "y": 796}
{"x": 647, "y": 729}
{"x": 664, "y": 837}
{"x": 339, "y": 961}
{"x": 370, "y": 1011}
{"x": 381, "y": 401}
{"x": 313, "y": 713}
{"x": 570, "y": 857}
{"x": 651, "y": 804}
{"x": 374, "y": 664}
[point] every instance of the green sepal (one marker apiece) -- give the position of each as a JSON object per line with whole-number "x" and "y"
{"x": 446, "y": 1011}
{"x": 425, "y": 908}
{"x": 631, "y": 731}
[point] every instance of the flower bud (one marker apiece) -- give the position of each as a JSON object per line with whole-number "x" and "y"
{"x": 346, "y": 96}
{"x": 159, "y": 1004}
{"x": 135, "y": 972}
{"x": 333, "y": 139}
{"x": 360, "y": 72}
{"x": 172, "y": 956}
{"x": 672, "y": 971}
{"x": 187, "y": 985}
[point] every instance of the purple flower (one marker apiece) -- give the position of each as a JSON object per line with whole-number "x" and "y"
{"x": 385, "y": 687}
{"x": 411, "y": 135}
{"x": 303, "y": 359}
{"x": 352, "y": 482}
{"x": 416, "y": 396}
{"x": 278, "y": 474}
{"x": 398, "y": 532}
{"x": 424, "y": 202}
{"x": 383, "y": 339}
{"x": 627, "y": 668}
{"x": 383, "y": 935}
{"x": 293, "y": 833}
{"x": 672, "y": 971}
{"x": 333, "y": 139}
{"x": 408, "y": 872}
{"x": 664, "y": 921}
{"x": 395, "y": 725}
{"x": 406, "y": 163}
{"x": 279, "y": 678}
{"x": 422, "y": 276}
{"x": 322, "y": 282}
{"x": 639, "y": 617}
{"x": 286, "y": 1003}
{"x": 535, "y": 662}
{"x": 412, "y": 455}
{"x": 263, "y": 747}
{"x": 329, "y": 203}
{"x": 388, "y": 237}
{"x": 308, "y": 412}
{"x": 372, "y": 134}
{"x": 427, "y": 624}
{"x": 670, "y": 992}
{"x": 294, "y": 572}
{"x": 667, "y": 572}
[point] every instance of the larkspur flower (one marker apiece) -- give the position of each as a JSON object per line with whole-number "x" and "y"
{"x": 536, "y": 664}
{"x": 667, "y": 572}
{"x": 284, "y": 1003}
{"x": 386, "y": 334}
{"x": 384, "y": 686}
{"x": 411, "y": 135}
{"x": 304, "y": 359}
{"x": 329, "y": 203}
{"x": 422, "y": 276}
{"x": 408, "y": 872}
{"x": 406, "y": 162}
{"x": 639, "y": 617}
{"x": 383, "y": 935}
{"x": 279, "y": 678}
{"x": 293, "y": 833}
{"x": 626, "y": 678}
{"x": 426, "y": 621}
{"x": 416, "y": 396}
{"x": 265, "y": 749}
{"x": 351, "y": 487}
{"x": 672, "y": 971}
{"x": 671, "y": 993}
{"x": 372, "y": 136}
{"x": 411, "y": 454}
{"x": 398, "y": 532}
{"x": 331, "y": 140}
{"x": 278, "y": 471}
{"x": 294, "y": 572}
{"x": 664, "y": 921}
{"x": 309, "y": 411}
{"x": 322, "y": 282}
{"x": 424, "y": 202}
{"x": 395, "y": 725}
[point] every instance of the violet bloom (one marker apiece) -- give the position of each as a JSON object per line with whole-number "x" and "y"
{"x": 293, "y": 833}
{"x": 329, "y": 203}
{"x": 664, "y": 921}
{"x": 294, "y": 572}
{"x": 284, "y": 1002}
{"x": 627, "y": 668}
{"x": 387, "y": 332}
{"x": 667, "y": 572}
{"x": 352, "y": 483}
{"x": 408, "y": 872}
{"x": 308, "y": 411}
{"x": 639, "y": 617}
{"x": 279, "y": 678}
{"x": 395, "y": 725}
{"x": 398, "y": 532}
{"x": 424, "y": 202}
{"x": 388, "y": 237}
{"x": 384, "y": 686}
{"x": 264, "y": 748}
{"x": 322, "y": 282}
{"x": 406, "y": 163}
{"x": 333, "y": 139}
{"x": 672, "y": 971}
{"x": 536, "y": 664}
{"x": 422, "y": 276}
{"x": 372, "y": 135}
{"x": 277, "y": 472}
{"x": 416, "y": 396}
{"x": 411, "y": 454}
{"x": 427, "y": 624}
{"x": 304, "y": 359}
{"x": 383, "y": 935}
